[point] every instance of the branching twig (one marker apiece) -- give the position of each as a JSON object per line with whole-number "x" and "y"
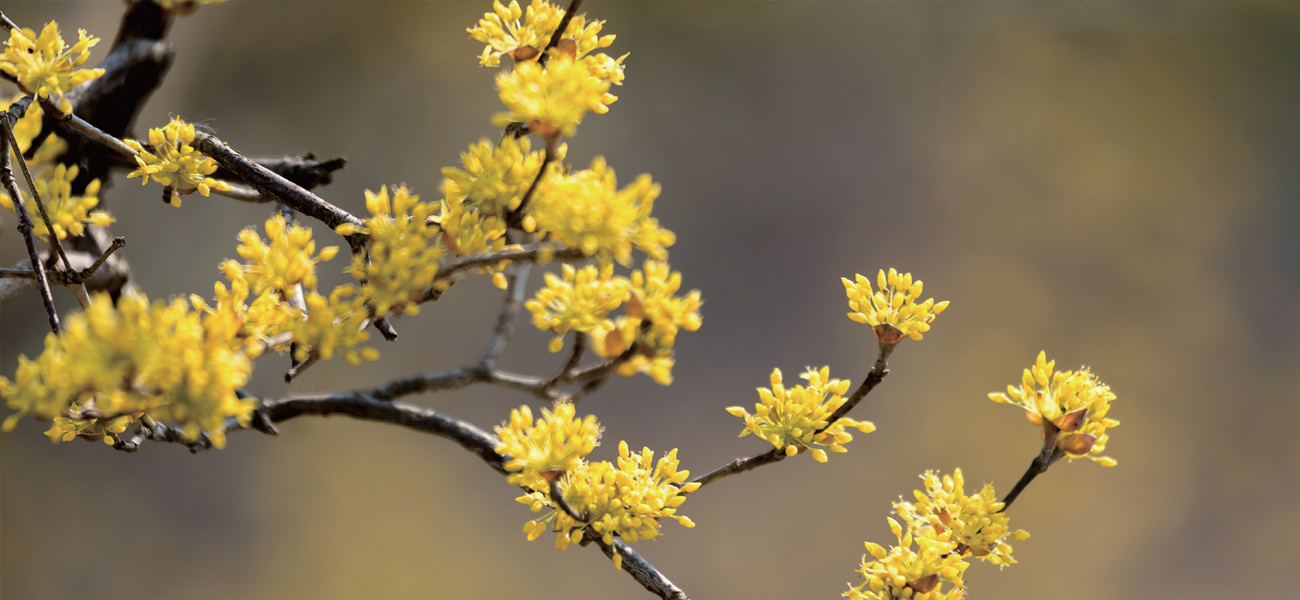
{"x": 25, "y": 222}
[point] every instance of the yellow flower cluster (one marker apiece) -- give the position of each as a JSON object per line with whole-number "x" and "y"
{"x": 174, "y": 162}
{"x": 552, "y": 100}
{"x": 655, "y": 313}
{"x": 524, "y": 33}
{"x": 45, "y": 66}
{"x": 902, "y": 572}
{"x": 286, "y": 258}
{"x": 971, "y": 525}
{"x": 255, "y": 323}
{"x": 580, "y": 301}
{"x": 495, "y": 177}
{"x": 402, "y": 255}
{"x": 542, "y": 449}
{"x": 281, "y": 261}
{"x": 332, "y": 324}
{"x": 587, "y": 210}
{"x": 628, "y": 500}
{"x": 791, "y": 418}
{"x": 69, "y": 214}
{"x": 134, "y": 359}
{"x": 467, "y": 230}
{"x": 64, "y": 429}
{"x": 1073, "y": 402}
{"x": 894, "y": 303}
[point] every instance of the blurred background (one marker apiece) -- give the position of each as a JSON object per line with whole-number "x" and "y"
{"x": 1112, "y": 183}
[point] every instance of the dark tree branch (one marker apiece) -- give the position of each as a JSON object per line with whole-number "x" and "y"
{"x": 469, "y": 437}
{"x": 639, "y": 568}
{"x": 276, "y": 186}
{"x": 143, "y": 19}
{"x": 25, "y": 223}
{"x": 305, "y": 170}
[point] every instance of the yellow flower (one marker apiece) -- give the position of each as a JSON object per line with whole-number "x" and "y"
{"x": 401, "y": 258}
{"x": 266, "y": 317}
{"x": 467, "y": 231}
{"x": 540, "y": 450}
{"x": 790, "y": 418}
{"x": 281, "y": 261}
{"x": 136, "y": 358}
{"x": 495, "y": 177}
{"x": 504, "y": 31}
{"x": 1075, "y": 403}
{"x": 332, "y": 324}
{"x": 655, "y": 313}
{"x": 45, "y": 66}
{"x": 586, "y": 210}
{"x": 578, "y": 302}
{"x": 902, "y": 572}
{"x": 894, "y": 303}
{"x": 628, "y": 500}
{"x": 553, "y": 99}
{"x": 69, "y": 214}
{"x": 971, "y": 525}
{"x": 175, "y": 162}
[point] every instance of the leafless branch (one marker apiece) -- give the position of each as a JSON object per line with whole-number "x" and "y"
{"x": 640, "y": 569}
{"x": 454, "y": 270}
{"x": 741, "y": 465}
{"x": 25, "y": 225}
{"x": 509, "y": 313}
{"x": 272, "y": 184}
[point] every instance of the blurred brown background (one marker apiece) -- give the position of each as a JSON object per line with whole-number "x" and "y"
{"x": 1114, "y": 183}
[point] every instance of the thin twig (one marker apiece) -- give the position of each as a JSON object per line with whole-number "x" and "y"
{"x": 516, "y": 217}
{"x": 244, "y": 194}
{"x": 25, "y": 225}
{"x": 119, "y": 242}
{"x": 741, "y": 465}
{"x": 36, "y": 198}
{"x": 559, "y": 31}
{"x": 6, "y": 23}
{"x": 91, "y": 131}
{"x": 272, "y": 184}
{"x": 557, "y": 497}
{"x": 874, "y": 377}
{"x": 454, "y": 270}
{"x": 509, "y": 313}
{"x": 575, "y": 356}
{"x": 1046, "y": 457}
